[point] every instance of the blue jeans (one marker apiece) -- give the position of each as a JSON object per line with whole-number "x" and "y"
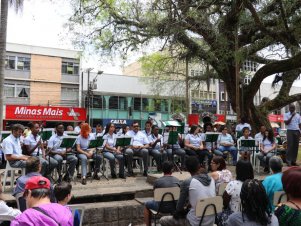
{"x": 159, "y": 157}
{"x": 83, "y": 158}
{"x": 129, "y": 152}
{"x": 231, "y": 149}
{"x": 111, "y": 157}
{"x": 71, "y": 160}
{"x": 179, "y": 152}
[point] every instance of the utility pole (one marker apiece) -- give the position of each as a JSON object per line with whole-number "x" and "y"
{"x": 238, "y": 116}
{"x": 89, "y": 89}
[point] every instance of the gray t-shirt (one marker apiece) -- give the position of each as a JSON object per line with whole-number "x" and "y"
{"x": 166, "y": 182}
{"x": 236, "y": 219}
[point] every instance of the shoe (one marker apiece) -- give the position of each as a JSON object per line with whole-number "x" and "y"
{"x": 89, "y": 174}
{"x": 266, "y": 170}
{"x": 96, "y": 177}
{"x": 79, "y": 175}
{"x": 114, "y": 176}
{"x": 122, "y": 176}
{"x": 131, "y": 174}
{"x": 145, "y": 173}
{"x": 84, "y": 181}
{"x": 67, "y": 178}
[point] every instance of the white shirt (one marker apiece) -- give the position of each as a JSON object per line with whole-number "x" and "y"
{"x": 77, "y": 129}
{"x": 110, "y": 140}
{"x": 55, "y": 142}
{"x": 240, "y": 126}
{"x": 83, "y": 142}
{"x": 294, "y": 124}
{"x": 233, "y": 189}
{"x": 139, "y": 138}
{"x": 146, "y": 133}
{"x": 12, "y": 146}
{"x": 194, "y": 140}
{"x": 152, "y": 139}
{"x": 8, "y": 211}
{"x": 32, "y": 142}
{"x": 98, "y": 134}
{"x": 225, "y": 139}
{"x": 259, "y": 137}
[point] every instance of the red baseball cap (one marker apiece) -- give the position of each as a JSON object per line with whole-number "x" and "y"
{"x": 37, "y": 182}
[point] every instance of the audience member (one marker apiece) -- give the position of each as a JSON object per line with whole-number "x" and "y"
{"x": 6, "y": 210}
{"x": 139, "y": 147}
{"x": 166, "y": 181}
{"x": 41, "y": 211}
{"x": 198, "y": 186}
{"x": 69, "y": 128}
{"x": 62, "y": 193}
{"x": 147, "y": 128}
{"x": 219, "y": 172}
{"x": 267, "y": 146}
{"x": 243, "y": 123}
{"x": 84, "y": 153}
{"x": 12, "y": 147}
{"x": 78, "y": 127}
{"x": 244, "y": 171}
{"x": 255, "y": 209}
{"x": 273, "y": 183}
{"x": 289, "y": 213}
{"x": 99, "y": 132}
{"x": 225, "y": 143}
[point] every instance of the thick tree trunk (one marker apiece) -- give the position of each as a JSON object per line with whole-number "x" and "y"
{"x": 3, "y": 31}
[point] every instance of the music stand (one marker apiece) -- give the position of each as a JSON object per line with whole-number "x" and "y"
{"x": 46, "y": 134}
{"x": 122, "y": 141}
{"x": 97, "y": 143}
{"x": 172, "y": 140}
{"x": 249, "y": 144}
{"x": 3, "y": 135}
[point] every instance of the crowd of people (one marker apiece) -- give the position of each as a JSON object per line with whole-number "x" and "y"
{"x": 245, "y": 199}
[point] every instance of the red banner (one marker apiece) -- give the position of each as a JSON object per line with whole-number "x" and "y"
{"x": 44, "y": 113}
{"x": 276, "y": 118}
{"x": 220, "y": 118}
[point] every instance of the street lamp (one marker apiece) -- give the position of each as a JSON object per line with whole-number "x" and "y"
{"x": 90, "y": 87}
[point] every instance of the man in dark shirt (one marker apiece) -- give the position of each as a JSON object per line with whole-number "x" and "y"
{"x": 166, "y": 181}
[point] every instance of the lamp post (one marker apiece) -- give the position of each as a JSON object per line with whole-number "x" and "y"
{"x": 90, "y": 87}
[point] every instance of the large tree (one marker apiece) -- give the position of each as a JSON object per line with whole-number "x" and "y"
{"x": 17, "y": 4}
{"x": 223, "y": 34}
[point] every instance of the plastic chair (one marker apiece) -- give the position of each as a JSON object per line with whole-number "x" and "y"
{"x": 221, "y": 189}
{"x": 164, "y": 195}
{"x": 81, "y": 209}
{"x": 12, "y": 175}
{"x": 209, "y": 206}
{"x": 21, "y": 202}
{"x": 279, "y": 197}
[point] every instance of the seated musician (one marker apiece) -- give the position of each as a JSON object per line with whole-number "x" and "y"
{"x": 245, "y": 152}
{"x": 111, "y": 152}
{"x": 175, "y": 149}
{"x": 84, "y": 153}
{"x": 59, "y": 154}
{"x": 33, "y": 145}
{"x": 156, "y": 144}
{"x": 140, "y": 145}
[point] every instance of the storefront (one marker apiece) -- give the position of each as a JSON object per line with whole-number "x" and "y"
{"x": 48, "y": 115}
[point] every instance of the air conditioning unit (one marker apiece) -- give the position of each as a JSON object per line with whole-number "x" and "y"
{"x": 93, "y": 85}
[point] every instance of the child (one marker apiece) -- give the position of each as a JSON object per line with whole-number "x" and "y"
{"x": 245, "y": 152}
{"x": 62, "y": 192}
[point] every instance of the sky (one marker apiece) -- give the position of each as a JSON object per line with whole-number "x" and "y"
{"x": 41, "y": 23}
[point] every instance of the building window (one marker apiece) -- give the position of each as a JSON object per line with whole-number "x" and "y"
{"x": 137, "y": 104}
{"x": 70, "y": 68}
{"x": 14, "y": 90}
{"x": 69, "y": 93}
{"x": 23, "y": 63}
{"x": 17, "y": 63}
{"x": 113, "y": 102}
{"x": 247, "y": 79}
{"x": 250, "y": 66}
{"x": 224, "y": 97}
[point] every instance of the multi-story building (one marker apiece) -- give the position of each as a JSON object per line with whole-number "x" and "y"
{"x": 41, "y": 76}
